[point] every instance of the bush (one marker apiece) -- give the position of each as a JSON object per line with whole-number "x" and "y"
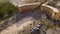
{"x": 6, "y": 9}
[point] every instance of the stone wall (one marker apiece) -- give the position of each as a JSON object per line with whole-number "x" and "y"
{"x": 27, "y": 8}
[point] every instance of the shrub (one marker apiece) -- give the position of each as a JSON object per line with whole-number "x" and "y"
{"x": 6, "y": 10}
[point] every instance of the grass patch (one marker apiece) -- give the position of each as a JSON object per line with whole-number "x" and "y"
{"x": 48, "y": 26}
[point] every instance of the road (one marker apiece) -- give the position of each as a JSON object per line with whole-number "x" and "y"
{"x": 14, "y": 26}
